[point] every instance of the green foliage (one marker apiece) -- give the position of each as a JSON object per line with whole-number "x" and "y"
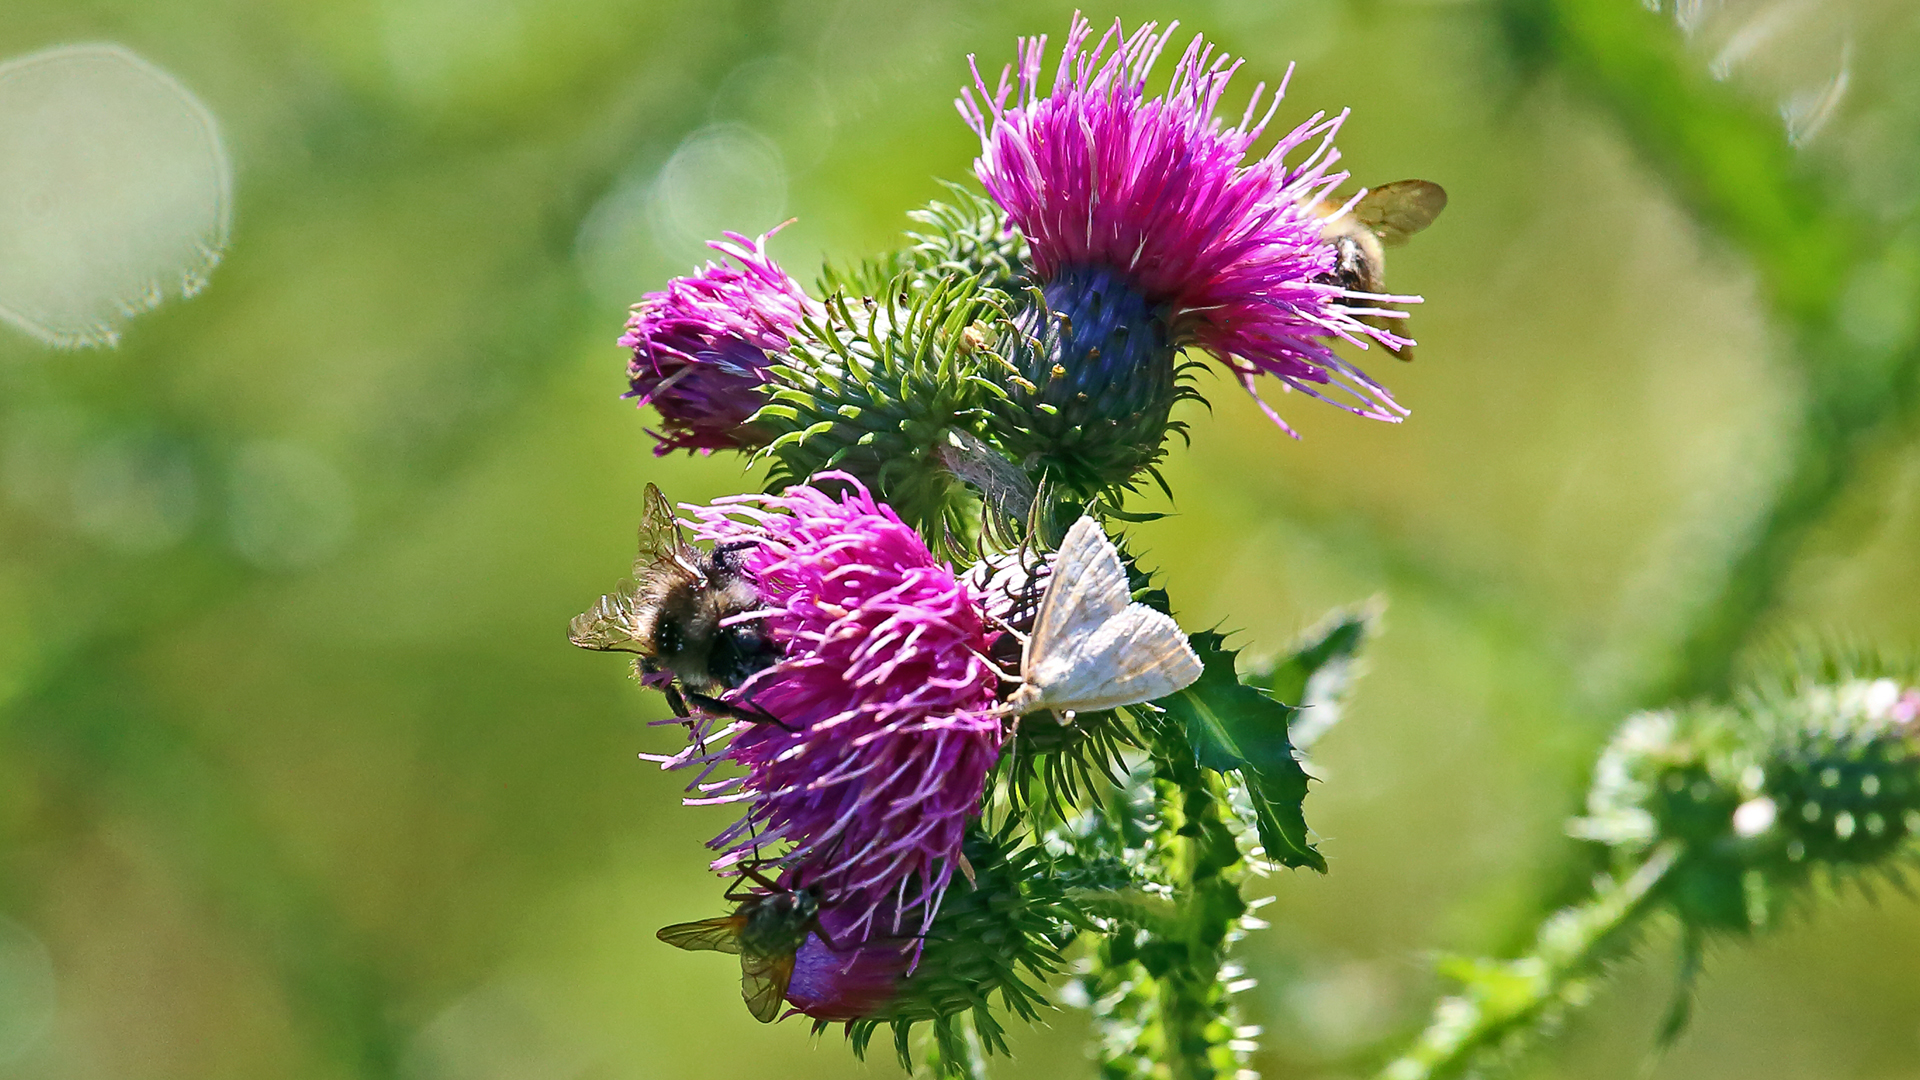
{"x": 1718, "y": 817}
{"x": 1320, "y": 671}
{"x": 880, "y": 389}
{"x": 1000, "y": 933}
{"x": 1503, "y": 1007}
{"x": 1233, "y": 727}
{"x": 1159, "y": 983}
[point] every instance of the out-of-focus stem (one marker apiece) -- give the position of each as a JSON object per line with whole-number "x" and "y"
{"x": 1731, "y": 166}
{"x": 1505, "y": 1001}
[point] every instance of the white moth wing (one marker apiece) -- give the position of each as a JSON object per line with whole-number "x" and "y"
{"x": 1088, "y": 586}
{"x": 1138, "y": 655}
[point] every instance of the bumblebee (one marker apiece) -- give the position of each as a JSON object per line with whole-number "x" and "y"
{"x": 680, "y": 616}
{"x": 1386, "y": 216}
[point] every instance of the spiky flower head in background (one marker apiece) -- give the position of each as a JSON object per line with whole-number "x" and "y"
{"x": 702, "y": 346}
{"x": 1726, "y": 816}
{"x": 1816, "y": 773}
{"x": 881, "y": 728}
{"x": 1150, "y": 231}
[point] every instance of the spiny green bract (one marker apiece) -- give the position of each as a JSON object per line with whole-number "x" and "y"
{"x": 1796, "y": 780}
{"x": 992, "y": 935}
{"x": 884, "y": 388}
{"x": 968, "y": 237}
{"x": 1099, "y": 429}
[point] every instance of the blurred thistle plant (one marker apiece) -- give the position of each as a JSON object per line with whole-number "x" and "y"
{"x": 932, "y": 422}
{"x": 1720, "y": 818}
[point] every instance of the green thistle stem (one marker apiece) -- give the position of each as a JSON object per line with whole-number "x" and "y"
{"x": 1506, "y": 1002}
{"x": 1203, "y": 863}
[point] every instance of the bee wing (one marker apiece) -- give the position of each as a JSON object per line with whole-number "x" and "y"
{"x": 707, "y": 935}
{"x": 1138, "y": 655}
{"x": 661, "y": 536}
{"x": 1398, "y": 210}
{"x": 763, "y": 983}
{"x": 608, "y": 625}
{"x": 1088, "y": 586}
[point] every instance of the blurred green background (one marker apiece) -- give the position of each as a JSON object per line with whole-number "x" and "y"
{"x": 300, "y": 778}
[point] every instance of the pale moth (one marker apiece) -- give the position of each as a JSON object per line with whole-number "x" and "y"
{"x": 1091, "y": 648}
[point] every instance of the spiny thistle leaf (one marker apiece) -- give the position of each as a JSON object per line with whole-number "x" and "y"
{"x": 1319, "y": 672}
{"x": 1233, "y": 727}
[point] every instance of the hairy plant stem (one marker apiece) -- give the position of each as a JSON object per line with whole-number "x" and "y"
{"x": 1201, "y": 860}
{"x": 1506, "y": 1002}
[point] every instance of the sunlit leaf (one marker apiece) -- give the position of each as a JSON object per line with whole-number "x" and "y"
{"x": 1234, "y": 727}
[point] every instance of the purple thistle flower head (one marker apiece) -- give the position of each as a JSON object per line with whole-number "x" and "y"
{"x": 850, "y": 985}
{"x": 884, "y": 699}
{"x": 702, "y": 346}
{"x": 1227, "y": 255}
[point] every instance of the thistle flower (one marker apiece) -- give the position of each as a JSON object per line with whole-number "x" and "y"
{"x": 884, "y": 701}
{"x": 1151, "y": 232}
{"x": 702, "y": 346}
{"x": 860, "y": 982}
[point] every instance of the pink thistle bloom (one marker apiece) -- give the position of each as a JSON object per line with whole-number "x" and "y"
{"x": 1103, "y": 180}
{"x": 1907, "y": 709}
{"x": 884, "y": 700}
{"x": 702, "y": 346}
{"x": 850, "y": 985}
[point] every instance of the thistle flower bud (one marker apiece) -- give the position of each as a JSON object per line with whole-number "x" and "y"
{"x": 997, "y": 935}
{"x": 881, "y": 392}
{"x": 1811, "y": 778}
{"x": 1846, "y": 781}
{"x": 702, "y": 347}
{"x": 1098, "y": 382}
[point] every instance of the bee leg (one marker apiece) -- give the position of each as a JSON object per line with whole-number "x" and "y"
{"x": 679, "y": 706}
{"x": 675, "y": 702}
{"x": 752, "y": 714}
{"x": 832, "y": 945}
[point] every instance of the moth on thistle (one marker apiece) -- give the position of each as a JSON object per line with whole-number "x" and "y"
{"x": 1092, "y": 648}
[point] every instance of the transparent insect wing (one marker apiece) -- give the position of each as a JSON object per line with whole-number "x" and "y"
{"x": 1398, "y": 210}
{"x": 707, "y": 935}
{"x": 608, "y": 625}
{"x": 763, "y": 983}
{"x": 661, "y": 537}
{"x": 1087, "y": 587}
